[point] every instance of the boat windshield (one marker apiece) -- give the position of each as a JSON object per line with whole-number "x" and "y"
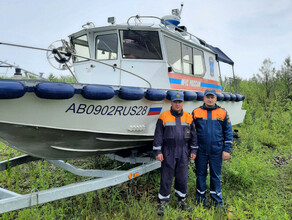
{"x": 140, "y": 44}
{"x": 80, "y": 45}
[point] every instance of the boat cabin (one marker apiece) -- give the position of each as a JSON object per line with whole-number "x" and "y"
{"x": 142, "y": 55}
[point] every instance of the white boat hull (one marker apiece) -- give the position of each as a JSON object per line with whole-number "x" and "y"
{"x": 76, "y": 127}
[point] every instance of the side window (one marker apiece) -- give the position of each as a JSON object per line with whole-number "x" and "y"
{"x": 184, "y": 59}
{"x": 174, "y": 58}
{"x": 140, "y": 44}
{"x": 187, "y": 59}
{"x": 199, "y": 65}
{"x": 80, "y": 45}
{"x": 106, "y": 47}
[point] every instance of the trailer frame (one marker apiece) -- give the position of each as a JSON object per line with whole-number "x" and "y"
{"x": 11, "y": 201}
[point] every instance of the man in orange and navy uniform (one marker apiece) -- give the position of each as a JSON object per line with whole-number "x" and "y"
{"x": 175, "y": 141}
{"x": 215, "y": 138}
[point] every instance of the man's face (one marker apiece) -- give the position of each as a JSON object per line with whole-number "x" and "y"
{"x": 210, "y": 100}
{"x": 177, "y": 105}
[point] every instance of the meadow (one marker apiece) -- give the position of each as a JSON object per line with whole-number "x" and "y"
{"x": 256, "y": 181}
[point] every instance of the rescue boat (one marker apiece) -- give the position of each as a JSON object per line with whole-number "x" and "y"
{"x": 125, "y": 75}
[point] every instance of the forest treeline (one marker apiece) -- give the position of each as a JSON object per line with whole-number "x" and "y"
{"x": 269, "y": 103}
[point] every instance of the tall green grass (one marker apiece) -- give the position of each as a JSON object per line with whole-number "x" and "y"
{"x": 253, "y": 188}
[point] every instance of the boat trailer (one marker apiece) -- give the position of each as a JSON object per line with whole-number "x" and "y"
{"x": 11, "y": 201}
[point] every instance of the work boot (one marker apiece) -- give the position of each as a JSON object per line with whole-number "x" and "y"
{"x": 162, "y": 206}
{"x": 183, "y": 204}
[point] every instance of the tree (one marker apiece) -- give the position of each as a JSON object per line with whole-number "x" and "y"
{"x": 267, "y": 76}
{"x": 51, "y": 77}
{"x": 285, "y": 75}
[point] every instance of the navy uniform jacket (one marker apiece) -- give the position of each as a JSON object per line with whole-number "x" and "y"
{"x": 175, "y": 133}
{"x": 213, "y": 128}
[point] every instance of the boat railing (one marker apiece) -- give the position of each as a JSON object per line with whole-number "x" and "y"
{"x": 164, "y": 23}
{"x": 63, "y": 54}
{"x": 28, "y": 74}
{"x": 115, "y": 67}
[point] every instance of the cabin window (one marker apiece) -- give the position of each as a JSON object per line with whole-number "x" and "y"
{"x": 80, "y": 45}
{"x": 106, "y": 47}
{"x": 199, "y": 66}
{"x": 173, "y": 50}
{"x": 184, "y": 59}
{"x": 140, "y": 44}
{"x": 187, "y": 59}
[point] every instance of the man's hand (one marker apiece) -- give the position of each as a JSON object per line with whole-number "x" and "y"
{"x": 193, "y": 156}
{"x": 225, "y": 155}
{"x": 159, "y": 157}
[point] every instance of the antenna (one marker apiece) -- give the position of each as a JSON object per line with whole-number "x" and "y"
{"x": 177, "y": 12}
{"x": 181, "y": 7}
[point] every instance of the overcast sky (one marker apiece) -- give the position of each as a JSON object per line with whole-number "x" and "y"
{"x": 248, "y": 31}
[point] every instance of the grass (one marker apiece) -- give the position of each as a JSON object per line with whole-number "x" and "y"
{"x": 254, "y": 186}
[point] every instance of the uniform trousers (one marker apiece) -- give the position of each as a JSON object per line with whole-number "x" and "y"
{"x": 215, "y": 165}
{"x": 174, "y": 167}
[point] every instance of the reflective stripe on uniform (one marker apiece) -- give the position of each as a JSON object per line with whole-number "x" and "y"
{"x": 213, "y": 192}
{"x": 163, "y": 197}
{"x": 180, "y": 193}
{"x": 169, "y": 124}
{"x": 201, "y": 192}
{"x": 194, "y": 147}
{"x": 157, "y": 148}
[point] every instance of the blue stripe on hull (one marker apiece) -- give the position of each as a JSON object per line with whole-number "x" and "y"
{"x": 210, "y": 85}
{"x": 175, "y": 81}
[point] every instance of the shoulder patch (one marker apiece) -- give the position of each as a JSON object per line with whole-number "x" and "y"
{"x": 228, "y": 119}
{"x": 188, "y": 132}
